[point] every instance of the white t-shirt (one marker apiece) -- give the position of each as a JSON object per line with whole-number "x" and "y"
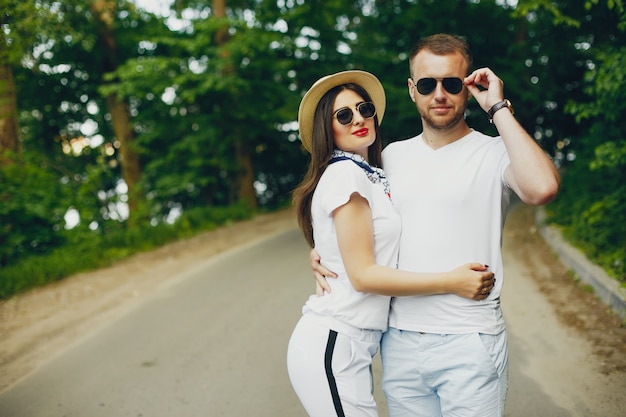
{"x": 453, "y": 203}
{"x": 339, "y": 181}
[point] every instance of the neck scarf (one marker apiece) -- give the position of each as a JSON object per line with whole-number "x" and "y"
{"x": 375, "y": 174}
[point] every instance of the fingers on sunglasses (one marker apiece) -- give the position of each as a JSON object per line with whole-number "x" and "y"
{"x": 345, "y": 115}
{"x": 427, "y": 85}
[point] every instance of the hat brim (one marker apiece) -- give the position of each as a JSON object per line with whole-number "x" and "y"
{"x": 306, "y": 112}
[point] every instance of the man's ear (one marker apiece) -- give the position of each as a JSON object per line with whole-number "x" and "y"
{"x": 412, "y": 90}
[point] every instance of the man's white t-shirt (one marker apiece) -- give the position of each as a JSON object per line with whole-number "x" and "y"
{"x": 339, "y": 181}
{"x": 453, "y": 203}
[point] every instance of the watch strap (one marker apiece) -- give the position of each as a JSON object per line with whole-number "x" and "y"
{"x": 499, "y": 105}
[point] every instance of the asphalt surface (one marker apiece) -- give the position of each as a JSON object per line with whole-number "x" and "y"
{"x": 214, "y": 344}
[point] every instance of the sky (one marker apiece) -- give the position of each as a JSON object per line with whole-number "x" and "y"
{"x": 161, "y": 7}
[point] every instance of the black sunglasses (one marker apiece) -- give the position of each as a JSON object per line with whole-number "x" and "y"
{"x": 426, "y": 86}
{"x": 345, "y": 114}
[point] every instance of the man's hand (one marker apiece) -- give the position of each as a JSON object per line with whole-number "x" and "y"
{"x": 320, "y": 274}
{"x": 492, "y": 90}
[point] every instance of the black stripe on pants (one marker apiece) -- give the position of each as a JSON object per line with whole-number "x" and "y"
{"x": 328, "y": 361}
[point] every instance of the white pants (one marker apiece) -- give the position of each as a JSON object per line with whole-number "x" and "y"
{"x": 449, "y": 375}
{"x": 329, "y": 366}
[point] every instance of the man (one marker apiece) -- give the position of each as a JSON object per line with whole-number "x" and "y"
{"x": 444, "y": 355}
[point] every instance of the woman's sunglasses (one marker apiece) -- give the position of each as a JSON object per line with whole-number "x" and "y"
{"x": 345, "y": 114}
{"x": 426, "y": 86}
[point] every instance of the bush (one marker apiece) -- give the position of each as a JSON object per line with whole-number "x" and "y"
{"x": 592, "y": 216}
{"x": 31, "y": 210}
{"x": 83, "y": 251}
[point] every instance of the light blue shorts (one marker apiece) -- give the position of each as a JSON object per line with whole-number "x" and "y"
{"x": 451, "y": 375}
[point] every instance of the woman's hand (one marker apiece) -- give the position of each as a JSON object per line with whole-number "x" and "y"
{"x": 320, "y": 274}
{"x": 473, "y": 281}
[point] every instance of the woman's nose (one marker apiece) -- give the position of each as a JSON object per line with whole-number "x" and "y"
{"x": 357, "y": 118}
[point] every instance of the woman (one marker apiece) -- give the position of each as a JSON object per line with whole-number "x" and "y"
{"x": 345, "y": 211}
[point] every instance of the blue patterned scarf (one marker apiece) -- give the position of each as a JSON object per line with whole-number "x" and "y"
{"x": 375, "y": 174}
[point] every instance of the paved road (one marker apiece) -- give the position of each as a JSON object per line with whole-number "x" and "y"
{"x": 214, "y": 344}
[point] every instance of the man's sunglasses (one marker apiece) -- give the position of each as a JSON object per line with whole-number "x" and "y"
{"x": 345, "y": 114}
{"x": 426, "y": 86}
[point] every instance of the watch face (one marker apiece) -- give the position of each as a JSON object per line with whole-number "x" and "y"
{"x": 510, "y": 106}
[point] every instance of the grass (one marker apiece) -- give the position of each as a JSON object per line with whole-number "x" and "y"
{"x": 89, "y": 251}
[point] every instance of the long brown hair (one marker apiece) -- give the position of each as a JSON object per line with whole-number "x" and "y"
{"x": 323, "y": 144}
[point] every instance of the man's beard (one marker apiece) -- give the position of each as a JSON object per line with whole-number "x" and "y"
{"x": 446, "y": 124}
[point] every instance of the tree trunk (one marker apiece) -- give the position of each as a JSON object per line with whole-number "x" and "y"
{"x": 243, "y": 153}
{"x": 247, "y": 193}
{"x": 9, "y": 139}
{"x": 104, "y": 12}
{"x": 129, "y": 159}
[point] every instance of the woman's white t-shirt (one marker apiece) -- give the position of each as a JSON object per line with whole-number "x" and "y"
{"x": 340, "y": 180}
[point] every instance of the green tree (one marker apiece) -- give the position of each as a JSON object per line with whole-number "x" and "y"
{"x": 591, "y": 207}
{"x": 224, "y": 101}
{"x": 21, "y": 23}
{"x": 32, "y": 202}
{"x": 105, "y": 18}
{"x": 61, "y": 92}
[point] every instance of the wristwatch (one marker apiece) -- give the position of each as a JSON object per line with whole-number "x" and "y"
{"x": 499, "y": 105}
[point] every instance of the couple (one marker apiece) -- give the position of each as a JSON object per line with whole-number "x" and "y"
{"x": 440, "y": 202}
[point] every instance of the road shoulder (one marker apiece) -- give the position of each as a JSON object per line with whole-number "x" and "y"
{"x": 607, "y": 288}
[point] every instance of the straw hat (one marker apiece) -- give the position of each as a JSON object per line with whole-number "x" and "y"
{"x": 309, "y": 102}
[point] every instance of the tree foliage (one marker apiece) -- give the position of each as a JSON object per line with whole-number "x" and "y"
{"x": 29, "y": 206}
{"x": 592, "y": 206}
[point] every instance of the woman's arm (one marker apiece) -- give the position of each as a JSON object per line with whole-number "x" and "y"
{"x": 355, "y": 235}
